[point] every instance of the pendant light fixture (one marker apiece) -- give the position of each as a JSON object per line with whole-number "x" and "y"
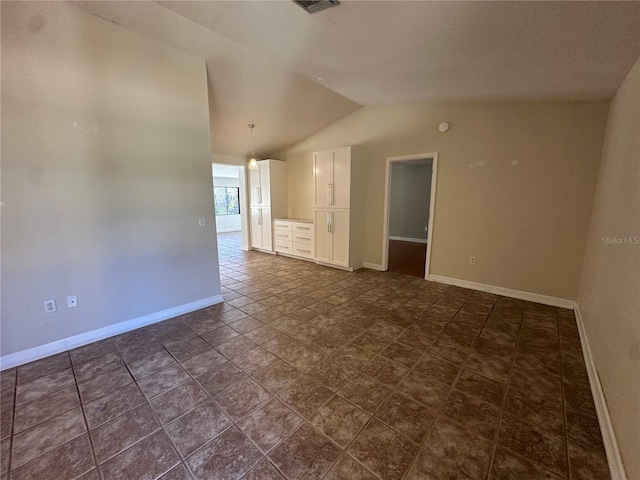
{"x": 253, "y": 162}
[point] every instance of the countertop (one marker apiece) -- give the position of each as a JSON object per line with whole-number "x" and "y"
{"x": 299, "y": 220}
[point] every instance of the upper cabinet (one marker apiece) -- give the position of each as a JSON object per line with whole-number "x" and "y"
{"x": 260, "y": 181}
{"x": 268, "y": 186}
{"x": 332, "y": 178}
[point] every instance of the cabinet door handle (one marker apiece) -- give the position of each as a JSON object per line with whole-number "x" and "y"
{"x": 303, "y": 238}
{"x": 303, "y": 228}
{"x": 330, "y": 193}
{"x": 330, "y": 215}
{"x": 303, "y": 251}
{"x": 260, "y": 218}
{"x": 259, "y": 194}
{"x": 282, "y": 236}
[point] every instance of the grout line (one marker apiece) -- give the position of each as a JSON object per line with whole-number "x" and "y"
{"x": 86, "y": 423}
{"x": 504, "y": 397}
{"x": 13, "y": 423}
{"x": 565, "y": 425}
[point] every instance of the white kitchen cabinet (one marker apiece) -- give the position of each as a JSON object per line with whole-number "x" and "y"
{"x": 324, "y": 239}
{"x": 303, "y": 250}
{"x": 339, "y": 207}
{"x": 268, "y": 198}
{"x": 260, "y": 181}
{"x": 294, "y": 238}
{"x": 332, "y": 178}
{"x": 332, "y": 237}
{"x": 261, "y": 228}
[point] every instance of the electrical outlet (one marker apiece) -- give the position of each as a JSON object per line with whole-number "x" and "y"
{"x": 72, "y": 301}
{"x": 202, "y": 221}
{"x": 472, "y": 260}
{"x": 49, "y": 306}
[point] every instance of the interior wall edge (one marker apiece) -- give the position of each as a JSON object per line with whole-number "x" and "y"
{"x": 616, "y": 466}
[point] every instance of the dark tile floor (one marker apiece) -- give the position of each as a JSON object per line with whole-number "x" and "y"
{"x": 309, "y": 372}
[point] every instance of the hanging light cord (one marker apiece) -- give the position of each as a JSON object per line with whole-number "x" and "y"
{"x": 251, "y": 127}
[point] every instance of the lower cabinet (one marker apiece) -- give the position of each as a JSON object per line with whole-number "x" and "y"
{"x": 302, "y": 240}
{"x": 261, "y": 228}
{"x": 293, "y": 238}
{"x": 282, "y": 241}
{"x": 332, "y": 237}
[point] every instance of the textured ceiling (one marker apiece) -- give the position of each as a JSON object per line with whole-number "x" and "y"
{"x": 244, "y": 86}
{"x": 391, "y": 52}
{"x": 263, "y": 56}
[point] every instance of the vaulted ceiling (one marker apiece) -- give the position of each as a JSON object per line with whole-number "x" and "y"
{"x": 264, "y": 57}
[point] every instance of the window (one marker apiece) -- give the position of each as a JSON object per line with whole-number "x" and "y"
{"x": 226, "y": 200}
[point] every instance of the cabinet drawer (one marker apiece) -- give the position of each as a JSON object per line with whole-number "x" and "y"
{"x": 302, "y": 237}
{"x": 282, "y": 236}
{"x": 284, "y": 247}
{"x": 280, "y": 225}
{"x": 302, "y": 250}
{"x": 303, "y": 228}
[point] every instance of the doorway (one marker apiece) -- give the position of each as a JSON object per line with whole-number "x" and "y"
{"x": 409, "y": 204}
{"x": 229, "y": 195}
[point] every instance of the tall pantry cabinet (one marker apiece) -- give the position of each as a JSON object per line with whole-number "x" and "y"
{"x": 338, "y": 176}
{"x": 267, "y": 200}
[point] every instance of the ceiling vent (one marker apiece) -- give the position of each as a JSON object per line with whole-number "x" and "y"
{"x": 313, "y": 6}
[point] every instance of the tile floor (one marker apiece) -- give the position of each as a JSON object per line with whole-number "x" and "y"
{"x": 308, "y": 372}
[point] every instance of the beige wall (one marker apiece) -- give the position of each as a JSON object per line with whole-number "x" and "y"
{"x": 515, "y": 184}
{"x": 609, "y": 296}
{"x": 106, "y": 167}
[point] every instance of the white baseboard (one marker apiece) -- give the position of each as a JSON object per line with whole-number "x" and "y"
{"x": 373, "y": 266}
{"x": 270, "y": 252}
{"x": 42, "y": 351}
{"x": 306, "y": 259}
{"x": 407, "y": 239}
{"x": 616, "y": 467}
{"x": 346, "y": 269}
{"x": 507, "y": 292}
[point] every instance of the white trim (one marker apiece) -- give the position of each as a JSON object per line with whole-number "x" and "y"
{"x": 373, "y": 266}
{"x": 507, "y": 292}
{"x": 333, "y": 265}
{"x": 229, "y": 230}
{"x": 432, "y": 202}
{"x": 306, "y": 259}
{"x": 42, "y": 351}
{"x": 616, "y": 467}
{"x": 270, "y": 252}
{"x": 407, "y": 239}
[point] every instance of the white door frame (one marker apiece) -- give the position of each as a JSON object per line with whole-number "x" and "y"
{"x": 245, "y": 223}
{"x": 432, "y": 202}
